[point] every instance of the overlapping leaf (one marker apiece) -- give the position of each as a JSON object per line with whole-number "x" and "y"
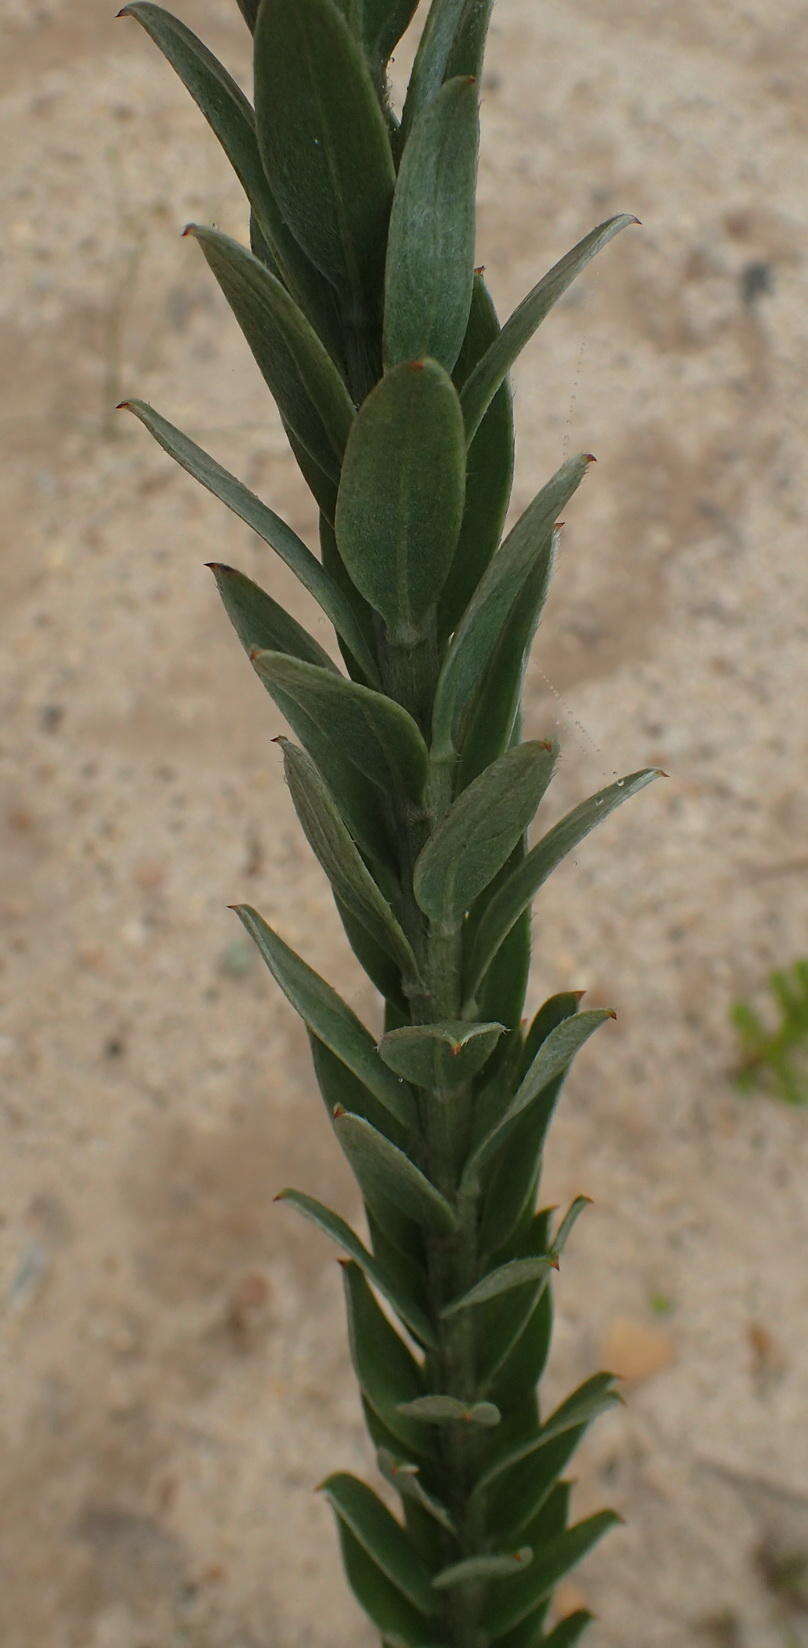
{"x": 400, "y": 501}
{"x": 489, "y": 373}
{"x": 480, "y": 830}
{"x": 323, "y": 139}
{"x": 373, "y": 734}
{"x": 430, "y": 249}
{"x": 263, "y": 520}
{"x": 301, "y": 377}
{"x": 387, "y": 1174}
{"x": 527, "y": 546}
{"x": 521, "y": 887}
{"x": 327, "y": 1015}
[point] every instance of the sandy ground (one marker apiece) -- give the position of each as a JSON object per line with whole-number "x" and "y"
{"x": 175, "y": 1372}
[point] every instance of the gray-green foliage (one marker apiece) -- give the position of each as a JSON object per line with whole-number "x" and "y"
{"x": 378, "y": 341}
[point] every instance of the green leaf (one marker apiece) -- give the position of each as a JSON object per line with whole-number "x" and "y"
{"x": 513, "y": 1313}
{"x": 489, "y": 471}
{"x": 382, "y": 24}
{"x": 403, "y": 1475}
{"x": 493, "y": 718}
{"x": 400, "y": 500}
{"x": 431, "y": 59}
{"x": 521, "y": 1368}
{"x": 569, "y": 1630}
{"x": 513, "y": 1274}
{"x": 518, "y": 891}
{"x": 337, "y": 570}
{"x": 323, "y": 139}
{"x": 339, "y": 1086}
{"x": 259, "y": 621}
{"x": 384, "y": 1367}
{"x": 249, "y": 11}
{"x": 400, "y": 1624}
{"x": 591, "y": 1399}
{"x": 481, "y": 828}
{"x": 439, "y": 1055}
{"x": 554, "y": 1056}
{"x": 468, "y": 46}
{"x": 522, "y": 1495}
{"x": 340, "y": 1232}
{"x": 487, "y": 376}
{"x": 332, "y": 843}
{"x": 375, "y": 734}
{"x": 568, "y": 1223}
{"x": 301, "y": 377}
{"x": 269, "y": 526}
{"x": 492, "y": 1565}
{"x": 511, "y": 1184}
{"x": 511, "y": 1601}
{"x": 528, "y": 545}
{"x": 381, "y": 1536}
{"x": 430, "y": 248}
{"x": 328, "y": 1016}
{"x": 449, "y": 1410}
{"x": 231, "y": 118}
{"x": 385, "y": 1172}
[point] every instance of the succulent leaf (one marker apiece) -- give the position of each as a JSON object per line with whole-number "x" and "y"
{"x": 527, "y": 546}
{"x": 332, "y": 843}
{"x": 479, "y": 831}
{"x": 327, "y": 1015}
{"x": 439, "y": 1055}
{"x": 521, "y": 887}
{"x": 263, "y": 520}
{"x": 511, "y": 1601}
{"x": 381, "y": 1536}
{"x": 332, "y": 1225}
{"x": 397, "y": 522}
{"x": 385, "y": 1173}
{"x": 260, "y": 622}
{"x": 323, "y": 139}
{"x": 430, "y": 248}
{"x": 296, "y": 367}
{"x": 375, "y": 735}
{"x": 519, "y": 328}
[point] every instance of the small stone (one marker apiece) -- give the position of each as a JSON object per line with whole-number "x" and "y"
{"x": 634, "y": 1351}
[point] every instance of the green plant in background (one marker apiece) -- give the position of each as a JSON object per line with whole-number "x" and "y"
{"x": 379, "y": 344}
{"x": 775, "y": 1057}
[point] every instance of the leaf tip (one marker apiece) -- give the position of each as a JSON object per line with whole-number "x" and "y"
{"x": 659, "y": 772}
{"x": 611, "y": 1013}
{"x": 480, "y": 270}
{"x": 123, "y": 406}
{"x": 191, "y": 229}
{"x": 338, "y": 1111}
{"x": 589, "y": 457}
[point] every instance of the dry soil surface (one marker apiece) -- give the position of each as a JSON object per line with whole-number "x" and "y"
{"x": 175, "y": 1375}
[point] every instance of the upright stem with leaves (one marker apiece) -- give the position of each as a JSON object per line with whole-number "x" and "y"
{"x": 379, "y": 343}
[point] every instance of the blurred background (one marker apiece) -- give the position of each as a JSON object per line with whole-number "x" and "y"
{"x": 175, "y": 1373}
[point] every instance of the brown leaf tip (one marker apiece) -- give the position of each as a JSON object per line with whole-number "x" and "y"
{"x": 124, "y": 406}
{"x": 612, "y": 1013}
{"x": 480, "y": 270}
{"x": 338, "y": 1110}
{"x": 590, "y": 457}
